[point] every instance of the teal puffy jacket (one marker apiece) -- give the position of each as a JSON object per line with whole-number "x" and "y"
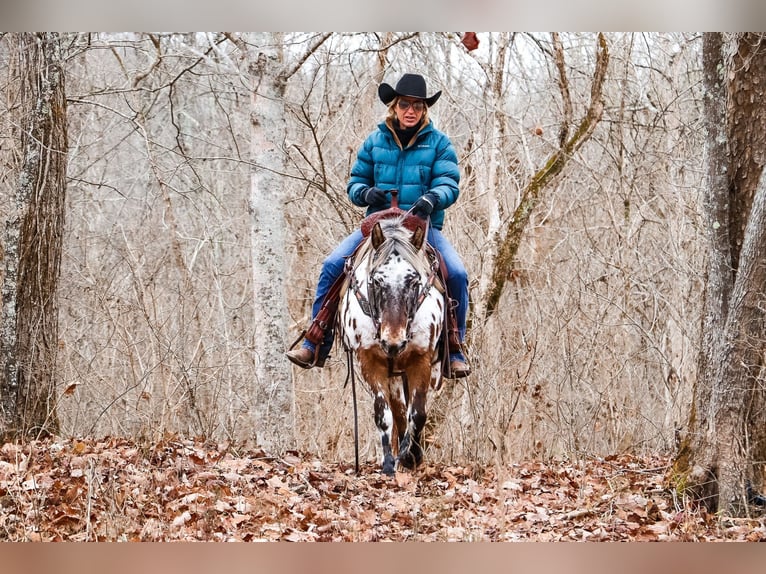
{"x": 429, "y": 163}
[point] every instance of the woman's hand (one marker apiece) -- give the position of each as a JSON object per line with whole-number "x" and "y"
{"x": 375, "y": 197}
{"x": 424, "y": 206}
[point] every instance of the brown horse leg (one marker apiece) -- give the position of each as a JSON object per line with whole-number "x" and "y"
{"x": 410, "y": 449}
{"x": 397, "y": 400}
{"x": 375, "y": 374}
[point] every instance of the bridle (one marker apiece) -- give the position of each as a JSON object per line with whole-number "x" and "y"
{"x": 370, "y": 303}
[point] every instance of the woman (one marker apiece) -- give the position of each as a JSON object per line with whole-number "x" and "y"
{"x": 407, "y": 153}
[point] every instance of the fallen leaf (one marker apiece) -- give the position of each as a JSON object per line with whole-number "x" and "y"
{"x": 182, "y": 519}
{"x": 71, "y": 388}
{"x": 403, "y": 479}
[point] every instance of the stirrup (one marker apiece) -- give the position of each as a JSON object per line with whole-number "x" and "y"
{"x": 460, "y": 372}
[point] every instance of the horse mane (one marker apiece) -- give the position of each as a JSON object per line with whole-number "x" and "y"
{"x": 398, "y": 238}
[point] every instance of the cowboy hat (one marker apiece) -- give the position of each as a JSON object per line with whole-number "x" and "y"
{"x": 410, "y": 85}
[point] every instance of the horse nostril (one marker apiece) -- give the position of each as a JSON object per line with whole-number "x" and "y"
{"x": 393, "y": 349}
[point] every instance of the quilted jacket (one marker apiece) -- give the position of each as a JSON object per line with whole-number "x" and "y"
{"x": 428, "y": 163}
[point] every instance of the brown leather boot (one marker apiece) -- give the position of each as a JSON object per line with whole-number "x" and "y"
{"x": 304, "y": 358}
{"x": 459, "y": 369}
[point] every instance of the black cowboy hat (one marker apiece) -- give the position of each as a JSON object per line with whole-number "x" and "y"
{"x": 412, "y": 86}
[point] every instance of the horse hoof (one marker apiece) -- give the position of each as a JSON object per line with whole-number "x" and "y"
{"x": 417, "y": 452}
{"x": 389, "y": 466}
{"x": 407, "y": 460}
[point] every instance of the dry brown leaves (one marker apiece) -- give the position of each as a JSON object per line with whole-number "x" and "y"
{"x": 181, "y": 489}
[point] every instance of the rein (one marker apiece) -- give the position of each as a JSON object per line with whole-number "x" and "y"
{"x": 350, "y": 375}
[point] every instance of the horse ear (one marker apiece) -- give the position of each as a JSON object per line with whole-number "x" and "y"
{"x": 417, "y": 237}
{"x": 377, "y": 236}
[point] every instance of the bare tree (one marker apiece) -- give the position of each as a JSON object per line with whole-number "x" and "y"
{"x": 721, "y": 458}
{"x": 33, "y": 239}
{"x": 509, "y": 244}
{"x": 274, "y": 397}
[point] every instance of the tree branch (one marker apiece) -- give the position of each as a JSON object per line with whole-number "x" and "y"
{"x": 288, "y": 73}
{"x": 563, "y": 87}
{"x": 555, "y": 164}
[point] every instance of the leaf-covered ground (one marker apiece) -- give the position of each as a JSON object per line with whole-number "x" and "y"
{"x": 179, "y": 489}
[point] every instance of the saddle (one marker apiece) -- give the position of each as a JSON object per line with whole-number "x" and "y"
{"x": 327, "y": 315}
{"x": 410, "y": 221}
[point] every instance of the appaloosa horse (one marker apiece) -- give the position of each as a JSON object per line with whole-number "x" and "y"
{"x": 391, "y": 317}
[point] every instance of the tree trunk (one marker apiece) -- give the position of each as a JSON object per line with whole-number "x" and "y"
{"x": 33, "y": 242}
{"x": 497, "y": 163}
{"x": 738, "y": 397}
{"x": 274, "y": 409}
{"x": 727, "y": 430}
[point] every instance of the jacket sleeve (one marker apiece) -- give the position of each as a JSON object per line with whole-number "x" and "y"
{"x": 362, "y": 174}
{"x": 445, "y": 175}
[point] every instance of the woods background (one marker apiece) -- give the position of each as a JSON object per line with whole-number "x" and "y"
{"x": 592, "y": 347}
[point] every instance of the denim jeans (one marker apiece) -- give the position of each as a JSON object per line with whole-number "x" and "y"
{"x": 332, "y": 267}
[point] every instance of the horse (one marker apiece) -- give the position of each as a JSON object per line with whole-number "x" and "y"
{"x": 391, "y": 318}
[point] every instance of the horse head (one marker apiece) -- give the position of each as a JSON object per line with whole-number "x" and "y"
{"x": 396, "y": 279}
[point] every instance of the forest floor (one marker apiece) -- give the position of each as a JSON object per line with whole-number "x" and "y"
{"x": 182, "y": 489}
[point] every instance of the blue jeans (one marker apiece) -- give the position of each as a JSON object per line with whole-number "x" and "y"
{"x": 332, "y": 268}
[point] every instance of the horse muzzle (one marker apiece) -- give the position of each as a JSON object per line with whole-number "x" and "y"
{"x": 393, "y": 349}
{"x": 393, "y": 341}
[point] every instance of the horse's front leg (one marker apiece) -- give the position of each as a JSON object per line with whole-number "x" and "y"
{"x": 389, "y": 415}
{"x": 416, "y": 422}
{"x": 397, "y": 400}
{"x": 410, "y": 449}
{"x": 384, "y": 420}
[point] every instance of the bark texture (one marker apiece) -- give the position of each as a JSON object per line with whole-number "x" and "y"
{"x": 33, "y": 240}
{"x": 273, "y": 385}
{"x": 727, "y": 431}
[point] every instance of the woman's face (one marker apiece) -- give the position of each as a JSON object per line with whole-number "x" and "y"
{"x": 409, "y": 111}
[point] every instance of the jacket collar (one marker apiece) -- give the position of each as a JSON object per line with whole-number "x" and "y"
{"x": 387, "y": 127}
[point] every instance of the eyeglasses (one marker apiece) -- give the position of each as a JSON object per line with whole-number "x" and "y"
{"x": 418, "y": 106}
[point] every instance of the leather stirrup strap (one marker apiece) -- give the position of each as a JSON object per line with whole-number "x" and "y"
{"x": 326, "y": 316}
